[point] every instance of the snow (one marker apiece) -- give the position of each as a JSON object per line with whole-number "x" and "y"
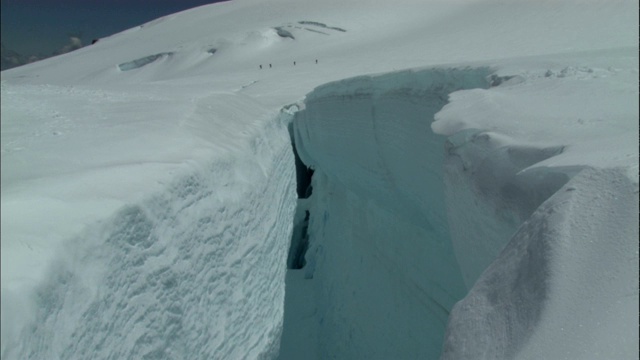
{"x": 571, "y": 268}
{"x": 481, "y": 204}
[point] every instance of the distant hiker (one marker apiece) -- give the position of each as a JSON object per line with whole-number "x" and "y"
{"x": 260, "y": 66}
{"x": 269, "y": 66}
{"x": 294, "y": 63}
{"x": 316, "y": 61}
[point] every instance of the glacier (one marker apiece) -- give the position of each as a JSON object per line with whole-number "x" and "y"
{"x": 453, "y": 180}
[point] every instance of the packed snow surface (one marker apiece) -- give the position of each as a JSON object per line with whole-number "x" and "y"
{"x": 231, "y": 182}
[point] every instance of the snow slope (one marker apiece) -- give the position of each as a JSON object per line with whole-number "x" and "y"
{"x": 478, "y": 206}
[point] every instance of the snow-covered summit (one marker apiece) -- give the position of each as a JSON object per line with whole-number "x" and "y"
{"x": 474, "y": 199}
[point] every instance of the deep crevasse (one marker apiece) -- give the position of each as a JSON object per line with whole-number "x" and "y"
{"x": 404, "y": 222}
{"x": 381, "y": 261}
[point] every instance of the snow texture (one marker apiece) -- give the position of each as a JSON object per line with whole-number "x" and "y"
{"x": 180, "y": 190}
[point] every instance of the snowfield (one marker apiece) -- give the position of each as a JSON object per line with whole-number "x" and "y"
{"x": 319, "y": 180}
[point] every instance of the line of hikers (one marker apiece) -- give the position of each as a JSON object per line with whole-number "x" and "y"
{"x": 294, "y": 64}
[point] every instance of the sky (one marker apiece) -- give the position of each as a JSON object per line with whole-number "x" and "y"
{"x": 33, "y": 27}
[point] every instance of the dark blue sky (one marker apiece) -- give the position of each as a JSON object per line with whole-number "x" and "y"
{"x": 44, "y": 26}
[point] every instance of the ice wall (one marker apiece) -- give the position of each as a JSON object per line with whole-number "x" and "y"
{"x": 458, "y": 247}
{"x": 194, "y": 272}
{"x": 380, "y": 256}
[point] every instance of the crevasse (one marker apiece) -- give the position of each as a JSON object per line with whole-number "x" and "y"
{"x": 401, "y": 221}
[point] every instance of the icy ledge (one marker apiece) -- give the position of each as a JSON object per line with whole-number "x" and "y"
{"x": 477, "y": 241}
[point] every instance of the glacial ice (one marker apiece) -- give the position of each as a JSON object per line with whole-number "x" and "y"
{"x": 416, "y": 240}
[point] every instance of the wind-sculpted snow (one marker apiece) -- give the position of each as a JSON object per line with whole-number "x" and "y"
{"x": 195, "y": 272}
{"x": 479, "y": 166}
{"x": 569, "y": 269}
{"x": 537, "y": 185}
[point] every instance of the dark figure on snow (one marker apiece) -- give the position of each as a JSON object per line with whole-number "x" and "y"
{"x": 269, "y": 65}
{"x": 316, "y": 61}
{"x": 294, "y": 63}
{"x": 260, "y": 66}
